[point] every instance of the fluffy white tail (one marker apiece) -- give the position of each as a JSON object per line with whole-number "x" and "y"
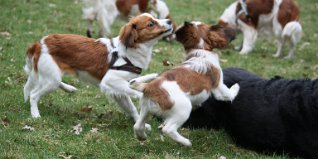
{"x": 138, "y": 83}
{"x": 293, "y": 30}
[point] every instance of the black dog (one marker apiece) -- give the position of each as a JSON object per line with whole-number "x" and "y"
{"x": 268, "y": 115}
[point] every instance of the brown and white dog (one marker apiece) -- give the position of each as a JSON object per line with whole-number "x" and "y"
{"x": 106, "y": 11}
{"x": 278, "y": 18}
{"x": 174, "y": 93}
{"x": 107, "y": 63}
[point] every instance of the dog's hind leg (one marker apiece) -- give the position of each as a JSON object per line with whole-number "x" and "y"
{"x": 280, "y": 45}
{"x": 29, "y": 86}
{"x": 67, "y": 88}
{"x": 223, "y": 93}
{"x": 182, "y": 109}
{"x": 49, "y": 79}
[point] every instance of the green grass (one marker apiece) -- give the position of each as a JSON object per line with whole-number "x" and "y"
{"x": 25, "y": 21}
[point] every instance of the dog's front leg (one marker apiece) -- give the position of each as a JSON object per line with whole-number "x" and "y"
{"x": 127, "y": 105}
{"x": 249, "y": 38}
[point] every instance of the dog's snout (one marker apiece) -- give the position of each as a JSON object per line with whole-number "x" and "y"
{"x": 169, "y": 22}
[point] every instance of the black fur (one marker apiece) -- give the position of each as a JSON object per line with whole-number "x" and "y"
{"x": 268, "y": 115}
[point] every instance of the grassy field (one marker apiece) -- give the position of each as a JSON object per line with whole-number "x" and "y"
{"x": 25, "y": 21}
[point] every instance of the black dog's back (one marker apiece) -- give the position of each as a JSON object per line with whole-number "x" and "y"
{"x": 267, "y": 115}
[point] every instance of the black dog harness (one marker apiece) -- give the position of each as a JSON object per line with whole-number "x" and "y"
{"x": 126, "y": 67}
{"x": 242, "y": 11}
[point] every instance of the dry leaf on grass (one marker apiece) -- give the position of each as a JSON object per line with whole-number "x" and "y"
{"x": 27, "y": 127}
{"x": 5, "y": 33}
{"x": 107, "y": 115}
{"x": 87, "y": 109}
{"x": 77, "y": 129}
{"x": 167, "y": 63}
{"x": 94, "y": 130}
{"x": 5, "y": 121}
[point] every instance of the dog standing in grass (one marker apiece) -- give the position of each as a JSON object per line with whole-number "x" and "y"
{"x": 279, "y": 18}
{"x": 174, "y": 93}
{"x": 106, "y": 11}
{"x": 107, "y": 63}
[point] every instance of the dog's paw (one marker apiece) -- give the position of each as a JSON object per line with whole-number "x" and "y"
{"x": 148, "y": 127}
{"x": 235, "y": 89}
{"x": 276, "y": 55}
{"x": 186, "y": 142}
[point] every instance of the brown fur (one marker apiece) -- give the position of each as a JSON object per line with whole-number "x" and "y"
{"x": 34, "y": 51}
{"x": 139, "y": 31}
{"x": 75, "y": 52}
{"x": 288, "y": 11}
{"x": 188, "y": 80}
{"x": 255, "y": 8}
{"x": 124, "y": 6}
{"x": 217, "y": 36}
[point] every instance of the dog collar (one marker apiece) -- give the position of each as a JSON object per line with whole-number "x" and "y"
{"x": 126, "y": 67}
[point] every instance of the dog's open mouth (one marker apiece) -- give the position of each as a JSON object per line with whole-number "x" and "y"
{"x": 166, "y": 31}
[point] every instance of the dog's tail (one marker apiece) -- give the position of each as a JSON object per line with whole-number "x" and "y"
{"x": 293, "y": 30}
{"x": 138, "y": 83}
{"x": 32, "y": 56}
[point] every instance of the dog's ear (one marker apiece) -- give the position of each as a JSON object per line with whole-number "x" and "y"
{"x": 186, "y": 23}
{"x": 128, "y": 35}
{"x": 219, "y": 36}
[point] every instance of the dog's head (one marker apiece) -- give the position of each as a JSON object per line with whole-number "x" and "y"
{"x": 144, "y": 28}
{"x": 197, "y": 35}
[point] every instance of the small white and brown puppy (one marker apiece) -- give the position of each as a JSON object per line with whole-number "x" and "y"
{"x": 106, "y": 11}
{"x": 174, "y": 93}
{"x": 107, "y": 63}
{"x": 278, "y": 18}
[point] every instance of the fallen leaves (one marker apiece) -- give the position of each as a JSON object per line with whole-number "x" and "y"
{"x": 77, "y": 129}
{"x": 87, "y": 109}
{"x": 28, "y": 128}
{"x": 167, "y": 63}
{"x": 5, "y": 121}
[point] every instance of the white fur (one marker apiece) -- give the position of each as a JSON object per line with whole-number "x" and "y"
{"x": 115, "y": 82}
{"x": 267, "y": 24}
{"x": 105, "y": 12}
{"x": 183, "y": 102}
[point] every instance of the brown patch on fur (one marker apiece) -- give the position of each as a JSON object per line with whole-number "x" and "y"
{"x": 190, "y": 35}
{"x": 35, "y": 52}
{"x": 124, "y": 6}
{"x": 215, "y": 37}
{"x": 255, "y": 8}
{"x": 75, "y": 53}
{"x": 187, "y": 79}
{"x": 219, "y": 37}
{"x": 288, "y": 11}
{"x": 138, "y": 30}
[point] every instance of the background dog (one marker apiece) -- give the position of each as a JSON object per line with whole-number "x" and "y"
{"x": 278, "y": 18}
{"x": 174, "y": 93}
{"x": 271, "y": 115}
{"x": 106, "y": 11}
{"x": 107, "y": 63}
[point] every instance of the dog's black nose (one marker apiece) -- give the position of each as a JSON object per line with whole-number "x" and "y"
{"x": 169, "y": 22}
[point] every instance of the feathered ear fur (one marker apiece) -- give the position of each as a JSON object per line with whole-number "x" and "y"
{"x": 220, "y": 36}
{"x": 128, "y": 35}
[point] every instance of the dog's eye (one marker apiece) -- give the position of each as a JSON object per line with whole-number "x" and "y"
{"x": 151, "y": 24}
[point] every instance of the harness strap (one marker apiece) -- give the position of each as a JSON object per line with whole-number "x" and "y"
{"x": 126, "y": 67}
{"x": 243, "y": 10}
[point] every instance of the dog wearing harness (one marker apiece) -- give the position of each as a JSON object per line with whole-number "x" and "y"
{"x": 107, "y": 63}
